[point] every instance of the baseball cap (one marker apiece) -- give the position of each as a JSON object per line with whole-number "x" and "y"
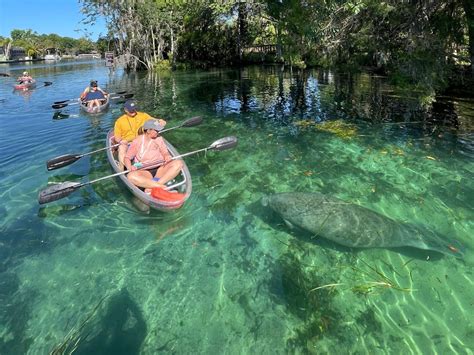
{"x": 152, "y": 124}
{"x": 130, "y": 106}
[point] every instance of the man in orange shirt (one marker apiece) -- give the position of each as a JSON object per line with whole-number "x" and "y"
{"x": 127, "y": 127}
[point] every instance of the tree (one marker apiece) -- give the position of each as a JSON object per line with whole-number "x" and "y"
{"x": 469, "y": 12}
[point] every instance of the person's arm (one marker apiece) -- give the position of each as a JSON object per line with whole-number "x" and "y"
{"x": 118, "y": 133}
{"x": 103, "y": 92}
{"x": 128, "y": 164}
{"x": 84, "y": 93}
{"x": 164, "y": 150}
{"x": 160, "y": 120}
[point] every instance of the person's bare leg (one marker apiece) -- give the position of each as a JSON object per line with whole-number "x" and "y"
{"x": 144, "y": 179}
{"x": 169, "y": 171}
{"x": 122, "y": 150}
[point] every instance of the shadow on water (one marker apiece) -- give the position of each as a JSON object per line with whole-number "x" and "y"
{"x": 121, "y": 328}
{"x": 22, "y": 238}
{"x": 15, "y": 313}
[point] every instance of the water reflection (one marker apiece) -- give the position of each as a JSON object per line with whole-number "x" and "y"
{"x": 26, "y": 94}
{"x": 271, "y": 95}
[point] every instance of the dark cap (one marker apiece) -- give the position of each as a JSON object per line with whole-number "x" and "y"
{"x": 94, "y": 83}
{"x": 130, "y": 106}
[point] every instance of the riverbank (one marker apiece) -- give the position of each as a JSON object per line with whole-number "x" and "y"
{"x": 21, "y": 61}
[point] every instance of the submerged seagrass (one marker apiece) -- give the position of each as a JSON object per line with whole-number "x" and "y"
{"x": 352, "y": 225}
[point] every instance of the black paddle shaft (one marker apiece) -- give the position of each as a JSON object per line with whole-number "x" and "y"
{"x": 110, "y": 93}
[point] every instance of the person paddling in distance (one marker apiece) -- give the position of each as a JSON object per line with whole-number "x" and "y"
{"x": 25, "y": 78}
{"x": 127, "y": 126}
{"x": 149, "y": 148}
{"x": 93, "y": 95}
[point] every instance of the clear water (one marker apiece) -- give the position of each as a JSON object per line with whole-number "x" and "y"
{"x": 224, "y": 274}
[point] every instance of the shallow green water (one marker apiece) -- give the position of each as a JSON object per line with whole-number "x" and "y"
{"x": 224, "y": 274}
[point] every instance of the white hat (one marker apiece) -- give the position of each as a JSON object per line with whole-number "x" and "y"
{"x": 152, "y": 124}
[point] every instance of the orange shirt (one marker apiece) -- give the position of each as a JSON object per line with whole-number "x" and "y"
{"x": 126, "y": 127}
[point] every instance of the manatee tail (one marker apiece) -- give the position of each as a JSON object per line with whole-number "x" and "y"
{"x": 440, "y": 243}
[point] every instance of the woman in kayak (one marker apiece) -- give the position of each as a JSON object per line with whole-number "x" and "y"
{"x": 93, "y": 95}
{"x": 25, "y": 78}
{"x": 146, "y": 149}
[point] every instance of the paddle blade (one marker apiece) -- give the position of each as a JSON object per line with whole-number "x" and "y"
{"x": 56, "y": 106}
{"x": 127, "y": 96}
{"x": 224, "y": 143}
{"x": 193, "y": 121}
{"x": 61, "y": 161}
{"x": 48, "y": 83}
{"x": 62, "y": 102}
{"x": 57, "y": 191}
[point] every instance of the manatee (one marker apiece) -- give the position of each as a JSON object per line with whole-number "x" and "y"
{"x": 352, "y": 225}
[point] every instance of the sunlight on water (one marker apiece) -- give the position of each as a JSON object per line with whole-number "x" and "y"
{"x": 224, "y": 274}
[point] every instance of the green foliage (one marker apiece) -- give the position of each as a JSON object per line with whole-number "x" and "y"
{"x": 36, "y": 44}
{"x": 164, "y": 64}
{"x": 208, "y": 39}
{"x": 418, "y": 42}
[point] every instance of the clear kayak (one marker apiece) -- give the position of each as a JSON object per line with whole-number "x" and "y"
{"x": 182, "y": 183}
{"x": 97, "y": 109}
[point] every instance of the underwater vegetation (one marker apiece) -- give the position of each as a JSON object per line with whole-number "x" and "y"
{"x": 339, "y": 128}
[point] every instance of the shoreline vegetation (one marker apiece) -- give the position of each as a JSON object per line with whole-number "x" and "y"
{"x": 425, "y": 47}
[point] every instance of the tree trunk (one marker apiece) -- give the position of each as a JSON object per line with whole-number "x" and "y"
{"x": 279, "y": 44}
{"x": 240, "y": 28}
{"x": 469, "y": 11}
{"x": 153, "y": 41}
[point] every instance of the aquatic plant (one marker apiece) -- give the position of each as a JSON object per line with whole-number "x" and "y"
{"x": 378, "y": 281}
{"x": 76, "y": 335}
{"x": 340, "y": 128}
{"x": 305, "y": 123}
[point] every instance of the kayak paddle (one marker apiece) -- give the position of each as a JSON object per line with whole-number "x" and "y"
{"x": 67, "y": 159}
{"x": 61, "y": 190}
{"x": 58, "y": 106}
{"x": 111, "y": 93}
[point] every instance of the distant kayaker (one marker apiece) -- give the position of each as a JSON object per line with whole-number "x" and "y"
{"x": 127, "y": 126}
{"x": 25, "y": 78}
{"x": 94, "y": 95}
{"x": 149, "y": 148}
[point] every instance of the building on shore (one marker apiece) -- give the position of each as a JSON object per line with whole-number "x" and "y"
{"x": 92, "y": 54}
{"x": 52, "y": 54}
{"x": 12, "y": 54}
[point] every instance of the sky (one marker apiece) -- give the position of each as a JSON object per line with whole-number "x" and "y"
{"x": 62, "y": 17}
